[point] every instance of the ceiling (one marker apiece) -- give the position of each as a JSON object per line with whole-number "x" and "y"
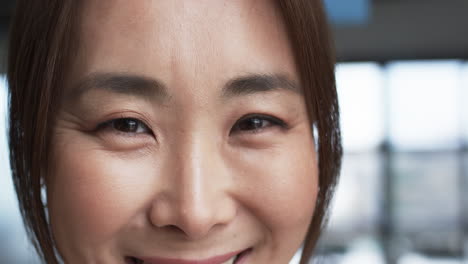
{"x": 407, "y": 29}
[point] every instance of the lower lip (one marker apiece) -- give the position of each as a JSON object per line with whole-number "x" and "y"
{"x": 242, "y": 259}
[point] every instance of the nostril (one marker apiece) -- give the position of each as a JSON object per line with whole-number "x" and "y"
{"x": 174, "y": 228}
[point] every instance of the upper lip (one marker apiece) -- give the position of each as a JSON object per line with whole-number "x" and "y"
{"x": 212, "y": 260}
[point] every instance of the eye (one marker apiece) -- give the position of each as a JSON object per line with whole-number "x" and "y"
{"x": 129, "y": 126}
{"x": 255, "y": 123}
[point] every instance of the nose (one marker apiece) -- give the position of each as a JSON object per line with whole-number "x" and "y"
{"x": 198, "y": 195}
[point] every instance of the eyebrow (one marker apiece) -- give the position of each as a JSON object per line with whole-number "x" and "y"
{"x": 121, "y": 83}
{"x": 150, "y": 88}
{"x": 256, "y": 83}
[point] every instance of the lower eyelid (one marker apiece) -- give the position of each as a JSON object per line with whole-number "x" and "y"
{"x": 115, "y": 139}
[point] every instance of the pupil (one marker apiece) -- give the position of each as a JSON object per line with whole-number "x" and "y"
{"x": 126, "y": 125}
{"x": 252, "y": 124}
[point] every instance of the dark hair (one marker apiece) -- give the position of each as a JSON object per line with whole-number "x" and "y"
{"x": 42, "y": 41}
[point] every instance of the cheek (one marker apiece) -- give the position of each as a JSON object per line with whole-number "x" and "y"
{"x": 281, "y": 189}
{"x": 92, "y": 194}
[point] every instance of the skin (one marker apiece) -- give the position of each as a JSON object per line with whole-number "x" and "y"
{"x": 187, "y": 183}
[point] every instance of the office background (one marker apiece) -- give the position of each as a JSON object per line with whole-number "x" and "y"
{"x": 403, "y": 87}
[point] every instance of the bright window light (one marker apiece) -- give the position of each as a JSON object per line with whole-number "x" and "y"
{"x": 424, "y": 113}
{"x": 7, "y": 200}
{"x": 464, "y": 102}
{"x": 360, "y": 92}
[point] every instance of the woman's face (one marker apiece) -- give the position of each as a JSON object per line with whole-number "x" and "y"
{"x": 182, "y": 136}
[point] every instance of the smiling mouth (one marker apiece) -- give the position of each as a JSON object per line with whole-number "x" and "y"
{"x": 236, "y": 259}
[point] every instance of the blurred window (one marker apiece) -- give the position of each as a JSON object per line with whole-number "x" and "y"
{"x": 356, "y": 205}
{"x": 360, "y": 91}
{"x": 423, "y": 105}
{"x": 405, "y": 171}
{"x": 427, "y": 200}
{"x": 463, "y": 101}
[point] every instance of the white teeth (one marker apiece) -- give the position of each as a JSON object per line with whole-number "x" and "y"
{"x": 230, "y": 261}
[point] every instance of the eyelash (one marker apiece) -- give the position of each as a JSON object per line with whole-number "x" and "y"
{"x": 237, "y": 128}
{"x": 272, "y": 120}
{"x": 113, "y": 125}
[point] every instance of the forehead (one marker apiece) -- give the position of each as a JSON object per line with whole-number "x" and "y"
{"x": 183, "y": 42}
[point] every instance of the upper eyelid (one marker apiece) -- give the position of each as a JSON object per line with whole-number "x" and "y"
{"x": 270, "y": 118}
{"x": 108, "y": 122}
{"x": 276, "y": 122}
{"x": 126, "y": 114}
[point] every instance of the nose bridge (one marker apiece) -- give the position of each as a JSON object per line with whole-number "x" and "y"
{"x": 197, "y": 199}
{"x": 193, "y": 172}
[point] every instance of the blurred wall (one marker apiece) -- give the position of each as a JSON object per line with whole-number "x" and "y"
{"x": 407, "y": 29}
{"x": 3, "y": 51}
